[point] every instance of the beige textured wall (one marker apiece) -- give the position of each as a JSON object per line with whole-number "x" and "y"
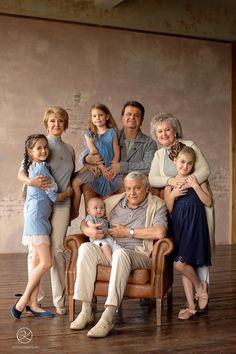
{"x": 47, "y": 63}
{"x": 213, "y": 19}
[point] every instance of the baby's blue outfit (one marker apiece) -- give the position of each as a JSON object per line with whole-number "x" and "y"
{"x": 38, "y": 204}
{"x": 108, "y": 239}
{"x": 104, "y": 145}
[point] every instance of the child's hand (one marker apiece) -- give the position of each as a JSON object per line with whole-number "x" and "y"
{"x": 192, "y": 181}
{"x": 178, "y": 191}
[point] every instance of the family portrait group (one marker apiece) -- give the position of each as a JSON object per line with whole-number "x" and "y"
{"x": 137, "y": 189}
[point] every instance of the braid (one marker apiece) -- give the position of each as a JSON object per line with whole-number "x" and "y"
{"x": 175, "y": 149}
{"x": 29, "y": 144}
{"x": 26, "y": 161}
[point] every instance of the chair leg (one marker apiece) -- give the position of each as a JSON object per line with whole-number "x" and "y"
{"x": 169, "y": 299}
{"x": 158, "y": 311}
{"x": 71, "y": 308}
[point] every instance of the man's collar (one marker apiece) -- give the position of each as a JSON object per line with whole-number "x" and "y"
{"x": 140, "y": 138}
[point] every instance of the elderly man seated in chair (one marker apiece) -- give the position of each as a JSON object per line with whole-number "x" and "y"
{"x": 137, "y": 218}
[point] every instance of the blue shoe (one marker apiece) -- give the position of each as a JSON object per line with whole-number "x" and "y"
{"x": 40, "y": 314}
{"x": 16, "y": 313}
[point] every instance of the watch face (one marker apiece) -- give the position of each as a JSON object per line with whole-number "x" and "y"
{"x": 131, "y": 232}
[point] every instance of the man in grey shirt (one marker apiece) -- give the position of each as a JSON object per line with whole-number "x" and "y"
{"x": 137, "y": 218}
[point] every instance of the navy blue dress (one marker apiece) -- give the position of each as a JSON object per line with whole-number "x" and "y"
{"x": 188, "y": 226}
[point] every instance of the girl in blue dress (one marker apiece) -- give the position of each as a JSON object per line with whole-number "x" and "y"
{"x": 100, "y": 138}
{"x": 188, "y": 226}
{"x": 37, "y": 226}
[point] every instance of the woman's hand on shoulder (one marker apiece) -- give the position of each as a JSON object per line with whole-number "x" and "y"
{"x": 192, "y": 181}
{"x": 176, "y": 181}
{"x": 41, "y": 181}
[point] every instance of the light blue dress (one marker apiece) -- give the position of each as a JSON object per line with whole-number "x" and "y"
{"x": 104, "y": 145}
{"x": 38, "y": 204}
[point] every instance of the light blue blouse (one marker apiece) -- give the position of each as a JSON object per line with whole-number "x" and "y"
{"x": 38, "y": 205}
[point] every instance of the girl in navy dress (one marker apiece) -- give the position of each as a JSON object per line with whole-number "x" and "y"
{"x": 37, "y": 226}
{"x": 100, "y": 138}
{"x": 188, "y": 226}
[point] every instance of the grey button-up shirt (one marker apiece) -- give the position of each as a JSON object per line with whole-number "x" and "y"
{"x": 138, "y": 158}
{"x": 140, "y": 155}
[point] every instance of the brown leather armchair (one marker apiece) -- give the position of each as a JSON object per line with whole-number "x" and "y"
{"x": 142, "y": 283}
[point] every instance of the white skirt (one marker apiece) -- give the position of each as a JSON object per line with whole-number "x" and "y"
{"x": 35, "y": 240}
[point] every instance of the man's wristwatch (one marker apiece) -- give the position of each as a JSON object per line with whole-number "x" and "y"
{"x": 131, "y": 232}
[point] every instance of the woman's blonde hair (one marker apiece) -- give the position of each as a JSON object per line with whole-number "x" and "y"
{"x": 110, "y": 123}
{"x": 58, "y": 111}
{"x": 169, "y": 118}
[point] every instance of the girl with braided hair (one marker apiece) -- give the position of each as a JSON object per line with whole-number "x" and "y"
{"x": 37, "y": 226}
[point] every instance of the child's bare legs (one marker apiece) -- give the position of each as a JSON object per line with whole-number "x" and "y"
{"x": 106, "y": 249}
{"x": 188, "y": 289}
{"x": 75, "y": 202}
{"x": 189, "y": 273}
{"x": 33, "y": 302}
{"x": 200, "y": 286}
{"x": 43, "y": 261}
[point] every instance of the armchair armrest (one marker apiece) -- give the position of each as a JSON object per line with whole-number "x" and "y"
{"x": 161, "y": 249}
{"x": 72, "y": 244}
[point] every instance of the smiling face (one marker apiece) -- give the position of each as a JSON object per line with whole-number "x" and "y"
{"x": 96, "y": 207}
{"x": 55, "y": 125}
{"x": 132, "y": 117}
{"x": 184, "y": 164}
{"x": 39, "y": 152}
{"x": 136, "y": 191}
{"x": 165, "y": 134}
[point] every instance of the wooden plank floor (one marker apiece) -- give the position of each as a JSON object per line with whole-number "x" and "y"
{"x": 135, "y": 331}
